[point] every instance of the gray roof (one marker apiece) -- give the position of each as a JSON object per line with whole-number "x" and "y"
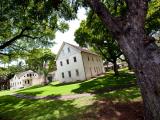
{"x": 23, "y": 73}
{"x": 77, "y": 47}
{"x": 83, "y": 50}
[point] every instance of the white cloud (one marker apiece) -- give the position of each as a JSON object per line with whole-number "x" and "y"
{"x": 69, "y": 35}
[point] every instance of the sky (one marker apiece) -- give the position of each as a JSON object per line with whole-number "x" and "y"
{"x": 68, "y": 36}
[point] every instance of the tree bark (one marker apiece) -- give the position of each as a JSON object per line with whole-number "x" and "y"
{"x": 145, "y": 61}
{"x": 115, "y": 68}
{"x": 141, "y": 51}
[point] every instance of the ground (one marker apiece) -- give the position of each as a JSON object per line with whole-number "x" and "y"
{"x": 113, "y": 98}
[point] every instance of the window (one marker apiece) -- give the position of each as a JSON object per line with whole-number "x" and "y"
{"x": 67, "y": 61}
{"x": 69, "y": 73}
{"x": 62, "y": 74}
{"x": 92, "y": 59}
{"x": 69, "y": 50}
{"x": 27, "y": 75}
{"x": 28, "y": 81}
{"x": 61, "y": 63}
{"x": 88, "y": 58}
{"x": 74, "y": 58}
{"x": 77, "y": 72}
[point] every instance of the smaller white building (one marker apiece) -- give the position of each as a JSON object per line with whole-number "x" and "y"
{"x": 24, "y": 79}
{"x": 74, "y": 63}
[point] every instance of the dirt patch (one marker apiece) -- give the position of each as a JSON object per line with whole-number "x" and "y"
{"x": 107, "y": 110}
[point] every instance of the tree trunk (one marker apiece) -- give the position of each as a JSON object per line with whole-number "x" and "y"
{"x": 115, "y": 68}
{"x": 142, "y": 53}
{"x": 45, "y": 80}
{"x": 145, "y": 61}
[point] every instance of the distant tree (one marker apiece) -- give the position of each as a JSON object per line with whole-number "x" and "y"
{"x": 41, "y": 61}
{"x": 92, "y": 33}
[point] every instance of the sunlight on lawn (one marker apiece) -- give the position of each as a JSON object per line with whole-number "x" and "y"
{"x": 106, "y": 83}
{"x": 108, "y": 88}
{"x": 22, "y": 109}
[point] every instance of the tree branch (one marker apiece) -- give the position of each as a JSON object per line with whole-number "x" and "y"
{"x": 28, "y": 36}
{"x": 104, "y": 55}
{"x": 111, "y": 22}
{"x": 2, "y": 54}
{"x": 12, "y": 40}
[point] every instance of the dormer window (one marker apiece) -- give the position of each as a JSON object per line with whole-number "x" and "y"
{"x": 69, "y": 50}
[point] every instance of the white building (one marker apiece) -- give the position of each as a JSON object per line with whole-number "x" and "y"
{"x": 25, "y": 79}
{"x": 74, "y": 63}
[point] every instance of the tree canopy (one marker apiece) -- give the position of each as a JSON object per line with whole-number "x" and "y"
{"x": 92, "y": 33}
{"x": 28, "y": 24}
{"x": 41, "y": 61}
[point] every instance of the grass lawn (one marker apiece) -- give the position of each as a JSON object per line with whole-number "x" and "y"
{"x": 117, "y": 95}
{"x": 99, "y": 85}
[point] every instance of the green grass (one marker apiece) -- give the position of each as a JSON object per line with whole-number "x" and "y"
{"x": 106, "y": 83}
{"x": 12, "y": 108}
{"x": 6, "y": 92}
{"x": 117, "y": 89}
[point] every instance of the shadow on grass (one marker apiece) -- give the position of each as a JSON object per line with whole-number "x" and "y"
{"x": 107, "y": 83}
{"x": 107, "y": 110}
{"x": 12, "y": 108}
{"x": 124, "y": 95}
{"x": 29, "y": 88}
{"x": 31, "y": 93}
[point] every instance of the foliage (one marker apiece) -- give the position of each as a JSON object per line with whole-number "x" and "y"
{"x": 92, "y": 33}
{"x": 153, "y": 17}
{"x": 41, "y": 61}
{"x": 9, "y": 72}
{"x": 31, "y": 24}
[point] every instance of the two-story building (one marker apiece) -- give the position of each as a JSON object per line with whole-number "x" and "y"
{"x": 74, "y": 63}
{"x": 25, "y": 79}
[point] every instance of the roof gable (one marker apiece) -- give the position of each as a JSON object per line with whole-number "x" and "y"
{"x": 63, "y": 50}
{"x": 75, "y": 47}
{"x": 23, "y": 73}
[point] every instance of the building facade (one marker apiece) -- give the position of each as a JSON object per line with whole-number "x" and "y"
{"x": 25, "y": 79}
{"x": 74, "y": 63}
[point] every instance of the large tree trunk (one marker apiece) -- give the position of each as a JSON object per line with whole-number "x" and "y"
{"x": 146, "y": 64}
{"x": 142, "y": 53}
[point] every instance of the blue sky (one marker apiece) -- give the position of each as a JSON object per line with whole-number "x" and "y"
{"x": 69, "y": 35}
